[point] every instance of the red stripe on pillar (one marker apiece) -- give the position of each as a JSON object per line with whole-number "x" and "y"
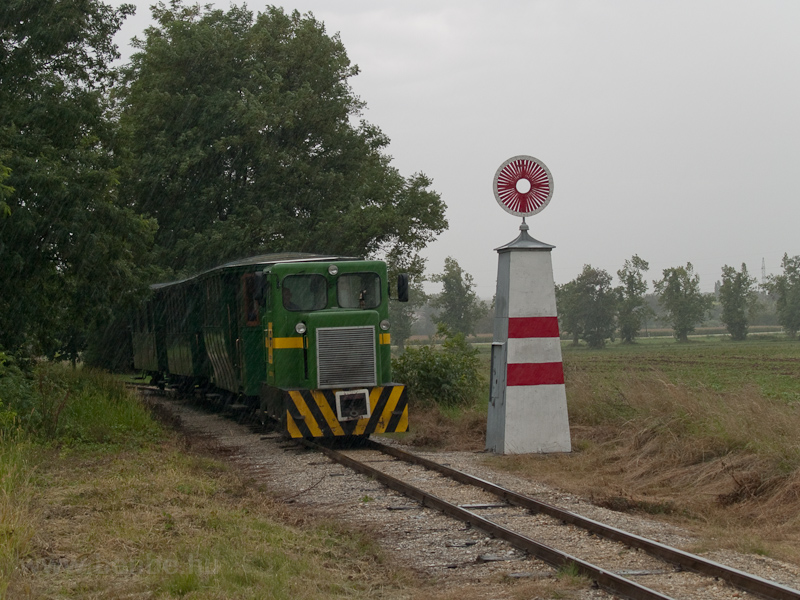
{"x": 532, "y": 327}
{"x": 535, "y": 374}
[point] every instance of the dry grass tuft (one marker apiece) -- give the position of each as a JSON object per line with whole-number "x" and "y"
{"x": 456, "y": 429}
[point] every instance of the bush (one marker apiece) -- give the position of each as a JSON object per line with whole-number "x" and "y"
{"x": 447, "y": 376}
{"x": 56, "y": 403}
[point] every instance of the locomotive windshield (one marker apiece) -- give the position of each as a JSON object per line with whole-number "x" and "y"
{"x": 359, "y": 290}
{"x": 304, "y": 292}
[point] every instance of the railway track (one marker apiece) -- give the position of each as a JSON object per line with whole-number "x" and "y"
{"x": 515, "y": 518}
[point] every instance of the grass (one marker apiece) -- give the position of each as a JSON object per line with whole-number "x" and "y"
{"x": 446, "y": 428}
{"x": 98, "y": 501}
{"x": 16, "y": 491}
{"x": 52, "y": 407}
{"x": 160, "y": 522}
{"x": 771, "y": 363}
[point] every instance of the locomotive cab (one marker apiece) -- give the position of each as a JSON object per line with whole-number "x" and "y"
{"x": 328, "y": 350}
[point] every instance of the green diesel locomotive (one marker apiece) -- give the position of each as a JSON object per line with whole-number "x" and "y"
{"x": 301, "y": 338}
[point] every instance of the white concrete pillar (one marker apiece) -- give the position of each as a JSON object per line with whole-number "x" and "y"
{"x": 528, "y": 404}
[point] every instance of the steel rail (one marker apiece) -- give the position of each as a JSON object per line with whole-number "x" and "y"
{"x": 684, "y": 560}
{"x": 611, "y": 582}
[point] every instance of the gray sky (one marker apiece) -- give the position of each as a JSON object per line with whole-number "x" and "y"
{"x": 671, "y": 128}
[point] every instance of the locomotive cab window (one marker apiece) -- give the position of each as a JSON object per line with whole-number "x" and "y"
{"x": 359, "y": 290}
{"x": 304, "y": 292}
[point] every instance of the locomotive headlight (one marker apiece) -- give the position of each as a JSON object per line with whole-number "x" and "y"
{"x": 300, "y": 328}
{"x": 385, "y": 325}
{"x": 333, "y": 269}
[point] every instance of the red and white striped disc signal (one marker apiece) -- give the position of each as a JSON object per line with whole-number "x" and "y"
{"x": 523, "y": 186}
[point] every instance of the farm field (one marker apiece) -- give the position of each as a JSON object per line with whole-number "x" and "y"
{"x": 770, "y": 363}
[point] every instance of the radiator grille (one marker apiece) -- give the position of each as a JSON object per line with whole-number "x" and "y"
{"x": 345, "y": 357}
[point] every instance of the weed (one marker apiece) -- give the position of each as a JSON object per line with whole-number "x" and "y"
{"x": 569, "y": 571}
{"x": 181, "y": 584}
{"x": 60, "y": 405}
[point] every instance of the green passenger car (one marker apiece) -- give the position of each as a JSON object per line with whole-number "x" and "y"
{"x": 303, "y": 339}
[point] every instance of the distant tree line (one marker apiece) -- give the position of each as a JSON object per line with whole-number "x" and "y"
{"x": 592, "y": 310}
{"x": 228, "y": 134}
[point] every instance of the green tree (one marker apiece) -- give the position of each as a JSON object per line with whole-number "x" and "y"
{"x": 738, "y": 297}
{"x": 403, "y": 315}
{"x": 66, "y": 246}
{"x": 679, "y": 295}
{"x": 570, "y": 315}
{"x": 632, "y": 308}
{"x": 458, "y": 304}
{"x": 244, "y": 138}
{"x": 786, "y": 289}
{"x": 587, "y": 307}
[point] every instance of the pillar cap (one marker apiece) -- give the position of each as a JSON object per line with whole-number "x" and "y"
{"x": 524, "y": 242}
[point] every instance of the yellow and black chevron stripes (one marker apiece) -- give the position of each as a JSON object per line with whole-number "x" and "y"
{"x": 312, "y": 413}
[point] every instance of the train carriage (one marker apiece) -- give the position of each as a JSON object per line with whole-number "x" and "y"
{"x": 303, "y": 339}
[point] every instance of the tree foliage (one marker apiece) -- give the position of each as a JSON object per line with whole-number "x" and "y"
{"x": 786, "y": 289}
{"x": 243, "y": 139}
{"x": 680, "y": 296}
{"x": 458, "y": 305}
{"x": 632, "y": 307}
{"x": 67, "y": 247}
{"x": 738, "y": 297}
{"x": 587, "y": 307}
{"x": 570, "y": 314}
{"x": 5, "y": 190}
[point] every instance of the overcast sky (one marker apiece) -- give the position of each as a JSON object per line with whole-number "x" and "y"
{"x": 671, "y": 129}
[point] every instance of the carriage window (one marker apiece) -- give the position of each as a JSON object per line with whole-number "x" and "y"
{"x": 304, "y": 292}
{"x": 251, "y": 306}
{"x": 213, "y": 294}
{"x": 359, "y": 290}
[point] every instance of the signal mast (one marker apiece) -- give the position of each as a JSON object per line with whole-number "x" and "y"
{"x": 528, "y": 401}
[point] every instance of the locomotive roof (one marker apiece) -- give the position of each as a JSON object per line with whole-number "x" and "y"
{"x": 261, "y": 260}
